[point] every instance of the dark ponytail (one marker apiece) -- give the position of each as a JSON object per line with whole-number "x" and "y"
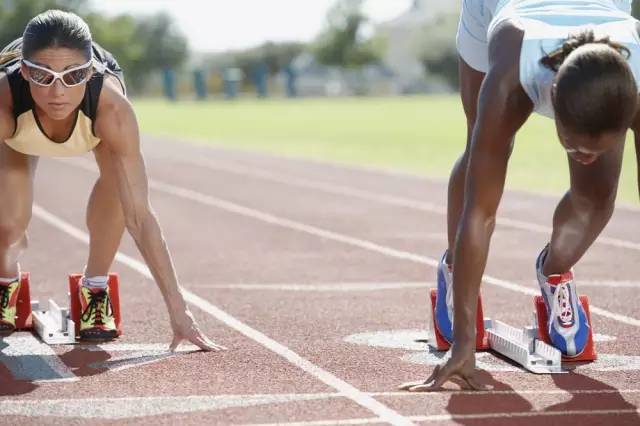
{"x": 556, "y": 58}
{"x": 56, "y": 28}
{"x": 595, "y": 90}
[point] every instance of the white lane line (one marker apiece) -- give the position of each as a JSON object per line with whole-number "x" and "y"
{"x": 356, "y": 242}
{"x": 27, "y": 358}
{"x": 459, "y": 417}
{"x": 393, "y": 200}
{"x": 382, "y": 411}
{"x": 336, "y": 287}
{"x": 604, "y": 283}
{"x": 137, "y": 407}
{"x": 609, "y": 283}
{"x": 229, "y": 206}
{"x": 136, "y": 347}
{"x": 214, "y": 146}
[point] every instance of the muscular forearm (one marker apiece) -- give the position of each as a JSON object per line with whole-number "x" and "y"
{"x": 470, "y": 259}
{"x": 148, "y": 237}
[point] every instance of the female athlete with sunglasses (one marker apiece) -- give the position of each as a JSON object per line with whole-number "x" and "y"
{"x": 63, "y": 95}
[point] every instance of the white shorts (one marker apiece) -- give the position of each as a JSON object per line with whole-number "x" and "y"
{"x": 471, "y": 40}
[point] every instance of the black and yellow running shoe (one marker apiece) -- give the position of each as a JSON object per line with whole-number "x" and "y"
{"x": 8, "y": 306}
{"x": 96, "y": 321}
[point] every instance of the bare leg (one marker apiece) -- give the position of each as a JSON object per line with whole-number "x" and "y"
{"x": 470, "y": 82}
{"x": 16, "y": 198}
{"x": 105, "y": 218}
{"x": 584, "y": 210}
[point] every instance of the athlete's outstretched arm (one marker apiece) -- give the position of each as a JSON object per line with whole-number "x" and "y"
{"x": 117, "y": 127}
{"x": 503, "y": 107}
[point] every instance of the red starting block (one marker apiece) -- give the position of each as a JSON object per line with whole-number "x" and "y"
{"x": 589, "y": 353}
{"x": 24, "y": 319}
{"x": 482, "y": 340}
{"x": 74, "y": 300}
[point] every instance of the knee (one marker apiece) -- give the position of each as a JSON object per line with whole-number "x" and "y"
{"x": 12, "y": 231}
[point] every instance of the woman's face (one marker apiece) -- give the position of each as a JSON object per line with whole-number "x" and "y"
{"x": 586, "y": 148}
{"x": 57, "y": 101}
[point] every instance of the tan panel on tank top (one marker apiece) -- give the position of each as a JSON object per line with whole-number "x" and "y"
{"x": 29, "y": 139}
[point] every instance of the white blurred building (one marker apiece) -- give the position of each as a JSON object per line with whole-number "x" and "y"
{"x": 402, "y": 36}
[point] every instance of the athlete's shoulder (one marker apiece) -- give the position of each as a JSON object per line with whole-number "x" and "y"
{"x": 507, "y": 37}
{"x": 5, "y": 91}
{"x": 114, "y": 108}
{"x": 112, "y": 95}
{"x": 7, "y": 122}
{"x": 505, "y": 45}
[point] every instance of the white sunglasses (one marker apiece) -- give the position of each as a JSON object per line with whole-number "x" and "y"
{"x": 45, "y": 77}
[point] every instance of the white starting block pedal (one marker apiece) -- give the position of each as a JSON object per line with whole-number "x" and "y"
{"x": 524, "y": 347}
{"x": 53, "y": 326}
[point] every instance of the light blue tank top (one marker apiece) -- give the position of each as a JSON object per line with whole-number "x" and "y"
{"x": 548, "y": 23}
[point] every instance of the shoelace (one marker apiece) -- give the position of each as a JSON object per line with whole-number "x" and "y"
{"x": 96, "y": 301}
{"x": 561, "y": 304}
{"x": 4, "y": 299}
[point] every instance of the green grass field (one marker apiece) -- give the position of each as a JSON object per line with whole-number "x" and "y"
{"x": 422, "y": 135}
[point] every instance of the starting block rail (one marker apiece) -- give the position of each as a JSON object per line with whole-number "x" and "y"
{"x": 53, "y": 325}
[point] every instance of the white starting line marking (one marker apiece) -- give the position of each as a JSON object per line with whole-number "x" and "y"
{"x": 415, "y": 342}
{"x": 134, "y": 407}
{"x": 27, "y": 358}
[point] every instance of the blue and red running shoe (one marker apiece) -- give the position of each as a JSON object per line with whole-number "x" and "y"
{"x": 444, "y": 300}
{"x": 568, "y": 324}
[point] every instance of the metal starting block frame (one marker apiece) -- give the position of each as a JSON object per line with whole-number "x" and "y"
{"x": 54, "y": 326}
{"x": 523, "y": 346}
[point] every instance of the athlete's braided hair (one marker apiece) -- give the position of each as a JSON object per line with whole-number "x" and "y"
{"x": 594, "y": 89}
{"x": 555, "y": 58}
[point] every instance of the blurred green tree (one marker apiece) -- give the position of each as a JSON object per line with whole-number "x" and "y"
{"x": 140, "y": 44}
{"x": 346, "y": 42}
{"x": 438, "y": 52}
{"x": 14, "y": 14}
